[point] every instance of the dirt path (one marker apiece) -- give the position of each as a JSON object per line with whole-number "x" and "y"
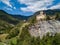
{"x": 20, "y": 29}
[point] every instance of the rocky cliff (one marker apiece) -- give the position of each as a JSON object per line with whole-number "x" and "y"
{"x": 42, "y": 27}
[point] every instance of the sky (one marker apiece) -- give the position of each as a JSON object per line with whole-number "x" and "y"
{"x": 28, "y": 7}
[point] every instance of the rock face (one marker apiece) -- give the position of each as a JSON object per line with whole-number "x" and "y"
{"x": 41, "y": 28}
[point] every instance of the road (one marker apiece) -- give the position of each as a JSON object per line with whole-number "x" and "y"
{"x": 20, "y": 29}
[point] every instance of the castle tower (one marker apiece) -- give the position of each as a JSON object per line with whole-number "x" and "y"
{"x": 41, "y": 13}
{"x": 41, "y": 16}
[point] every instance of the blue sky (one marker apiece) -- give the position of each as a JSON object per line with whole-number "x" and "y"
{"x": 28, "y": 7}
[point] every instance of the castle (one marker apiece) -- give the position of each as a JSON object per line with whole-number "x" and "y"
{"x": 41, "y": 16}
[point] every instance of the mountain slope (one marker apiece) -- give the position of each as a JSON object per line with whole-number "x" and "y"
{"x": 42, "y": 26}
{"x": 7, "y": 22}
{"x": 23, "y": 32}
{"x": 48, "y": 12}
{"x": 7, "y": 17}
{"x": 20, "y": 17}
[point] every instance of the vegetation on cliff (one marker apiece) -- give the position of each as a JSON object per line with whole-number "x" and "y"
{"x": 15, "y": 32}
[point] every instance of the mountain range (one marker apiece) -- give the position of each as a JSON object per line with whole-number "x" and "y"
{"x": 48, "y": 12}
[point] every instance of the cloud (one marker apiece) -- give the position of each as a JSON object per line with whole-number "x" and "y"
{"x": 14, "y": 7}
{"x": 35, "y": 5}
{"x": 7, "y": 2}
{"x": 9, "y": 9}
{"x": 55, "y": 6}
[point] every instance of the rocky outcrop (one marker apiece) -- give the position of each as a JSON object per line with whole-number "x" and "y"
{"x": 41, "y": 28}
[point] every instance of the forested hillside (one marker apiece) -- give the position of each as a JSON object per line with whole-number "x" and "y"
{"x": 14, "y": 31}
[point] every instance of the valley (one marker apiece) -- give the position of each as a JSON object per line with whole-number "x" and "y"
{"x": 38, "y": 29}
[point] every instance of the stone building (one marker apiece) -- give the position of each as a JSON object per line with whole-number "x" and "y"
{"x": 41, "y": 16}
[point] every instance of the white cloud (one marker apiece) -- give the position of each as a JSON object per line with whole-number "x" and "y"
{"x": 35, "y": 5}
{"x": 33, "y": 9}
{"x": 9, "y": 9}
{"x": 7, "y": 2}
{"x": 55, "y": 6}
{"x": 14, "y": 7}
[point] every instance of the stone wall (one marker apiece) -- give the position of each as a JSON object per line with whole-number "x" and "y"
{"x": 41, "y": 16}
